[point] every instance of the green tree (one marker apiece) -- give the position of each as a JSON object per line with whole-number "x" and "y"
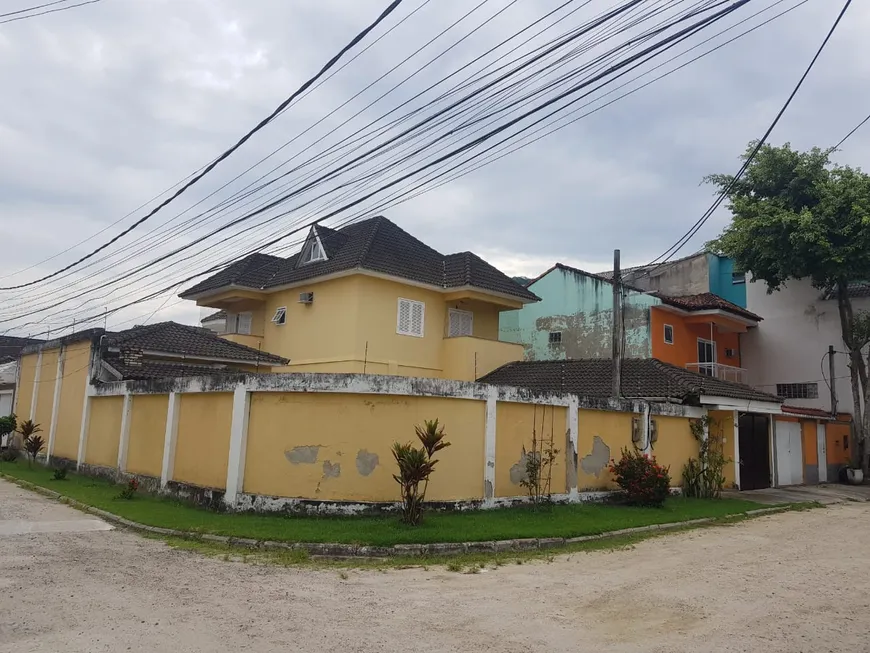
{"x": 796, "y": 215}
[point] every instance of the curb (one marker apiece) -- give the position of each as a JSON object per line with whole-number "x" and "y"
{"x": 344, "y": 551}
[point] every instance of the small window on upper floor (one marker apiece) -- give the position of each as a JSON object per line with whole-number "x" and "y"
{"x": 312, "y": 252}
{"x": 669, "y": 334}
{"x": 797, "y": 390}
{"x": 555, "y": 338}
{"x": 460, "y": 323}
{"x": 280, "y": 316}
{"x": 410, "y": 317}
{"x": 738, "y": 278}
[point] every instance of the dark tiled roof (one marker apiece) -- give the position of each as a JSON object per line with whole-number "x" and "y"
{"x": 11, "y": 346}
{"x": 155, "y": 369}
{"x": 174, "y": 338}
{"x": 641, "y": 378}
{"x": 377, "y": 245}
{"x": 706, "y": 301}
{"x": 251, "y": 272}
{"x": 214, "y": 317}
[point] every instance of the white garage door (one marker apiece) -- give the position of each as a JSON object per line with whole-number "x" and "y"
{"x": 789, "y": 456}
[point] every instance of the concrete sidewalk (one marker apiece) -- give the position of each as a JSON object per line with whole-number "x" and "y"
{"x": 825, "y": 494}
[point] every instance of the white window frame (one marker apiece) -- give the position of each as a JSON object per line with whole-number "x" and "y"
{"x": 280, "y": 317}
{"x": 312, "y": 252}
{"x": 248, "y": 317}
{"x": 665, "y": 334}
{"x": 456, "y": 311}
{"x": 412, "y": 304}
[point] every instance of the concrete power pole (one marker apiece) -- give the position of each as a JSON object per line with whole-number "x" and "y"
{"x": 616, "y": 354}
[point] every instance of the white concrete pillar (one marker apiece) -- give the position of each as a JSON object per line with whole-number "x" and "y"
{"x": 571, "y": 456}
{"x": 771, "y": 435}
{"x": 169, "y": 439}
{"x": 55, "y": 405}
{"x": 736, "y": 437}
{"x": 86, "y": 422}
{"x": 238, "y": 444}
{"x": 37, "y": 373}
{"x": 124, "y": 440}
{"x": 489, "y": 440}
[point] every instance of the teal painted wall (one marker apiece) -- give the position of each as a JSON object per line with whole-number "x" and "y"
{"x": 581, "y": 308}
{"x": 722, "y": 282}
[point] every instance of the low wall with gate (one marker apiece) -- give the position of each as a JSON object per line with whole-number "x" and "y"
{"x": 323, "y": 441}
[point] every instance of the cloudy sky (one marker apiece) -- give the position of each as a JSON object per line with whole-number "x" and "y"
{"x": 108, "y": 105}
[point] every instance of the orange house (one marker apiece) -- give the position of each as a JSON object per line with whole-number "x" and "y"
{"x": 701, "y": 333}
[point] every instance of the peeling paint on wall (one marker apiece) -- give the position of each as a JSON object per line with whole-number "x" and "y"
{"x": 579, "y": 308}
{"x": 597, "y": 459}
{"x": 306, "y": 455}
{"x": 331, "y": 470}
{"x": 366, "y": 462}
{"x": 519, "y": 472}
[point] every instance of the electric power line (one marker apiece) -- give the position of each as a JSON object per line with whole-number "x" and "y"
{"x": 329, "y": 64}
{"x": 47, "y": 11}
{"x": 670, "y": 252}
{"x": 849, "y": 135}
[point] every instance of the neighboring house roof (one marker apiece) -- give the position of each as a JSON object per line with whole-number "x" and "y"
{"x": 706, "y": 301}
{"x": 641, "y": 378}
{"x": 376, "y": 245}
{"x": 214, "y": 317}
{"x": 11, "y": 346}
{"x": 158, "y": 369}
{"x": 184, "y": 340}
{"x": 591, "y": 275}
{"x": 644, "y": 268}
{"x": 815, "y": 412}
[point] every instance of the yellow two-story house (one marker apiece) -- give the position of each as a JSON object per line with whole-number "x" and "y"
{"x": 369, "y": 298}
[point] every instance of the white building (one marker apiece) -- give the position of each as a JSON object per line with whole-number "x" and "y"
{"x": 787, "y": 353}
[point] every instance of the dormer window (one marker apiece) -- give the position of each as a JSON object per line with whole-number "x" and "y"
{"x": 312, "y": 251}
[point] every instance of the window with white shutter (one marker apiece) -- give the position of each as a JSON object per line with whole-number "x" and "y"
{"x": 409, "y": 321}
{"x": 461, "y": 323}
{"x": 244, "y": 323}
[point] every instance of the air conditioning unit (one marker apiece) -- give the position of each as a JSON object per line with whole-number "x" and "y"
{"x": 306, "y": 298}
{"x": 730, "y": 353}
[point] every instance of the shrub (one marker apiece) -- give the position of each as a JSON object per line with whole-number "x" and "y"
{"x": 415, "y": 467}
{"x": 130, "y": 489}
{"x": 9, "y": 455}
{"x": 33, "y": 445}
{"x": 8, "y": 424}
{"x": 645, "y": 482}
{"x": 59, "y": 474}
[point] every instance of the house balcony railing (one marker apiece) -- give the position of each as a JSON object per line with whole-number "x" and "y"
{"x": 719, "y": 371}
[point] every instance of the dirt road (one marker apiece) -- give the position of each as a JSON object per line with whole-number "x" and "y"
{"x": 771, "y": 584}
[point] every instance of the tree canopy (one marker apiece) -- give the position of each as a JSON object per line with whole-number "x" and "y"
{"x": 797, "y": 216}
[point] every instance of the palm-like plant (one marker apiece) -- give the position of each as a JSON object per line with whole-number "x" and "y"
{"x": 33, "y": 443}
{"x": 415, "y": 467}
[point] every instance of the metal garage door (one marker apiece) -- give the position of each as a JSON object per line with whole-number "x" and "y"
{"x": 789, "y": 455}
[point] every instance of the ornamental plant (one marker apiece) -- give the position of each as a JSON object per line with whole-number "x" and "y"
{"x": 130, "y": 489}
{"x": 644, "y": 481}
{"x": 415, "y": 466}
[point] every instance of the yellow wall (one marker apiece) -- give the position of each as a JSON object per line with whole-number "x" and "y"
{"x": 203, "y": 443}
{"x": 147, "y": 432}
{"x": 104, "y": 431}
{"x": 325, "y": 329}
{"x": 254, "y": 342}
{"x": 675, "y": 445}
{"x": 295, "y": 441}
{"x": 614, "y": 430}
{"x": 45, "y": 396}
{"x": 24, "y": 392}
{"x": 514, "y": 426}
{"x": 722, "y": 423}
{"x": 485, "y": 321}
{"x": 468, "y": 359}
{"x": 72, "y": 399}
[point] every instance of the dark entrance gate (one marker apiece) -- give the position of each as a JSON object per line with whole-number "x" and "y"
{"x": 754, "y": 451}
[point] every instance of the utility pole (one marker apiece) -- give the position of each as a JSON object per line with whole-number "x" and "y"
{"x": 833, "y": 383}
{"x": 616, "y": 354}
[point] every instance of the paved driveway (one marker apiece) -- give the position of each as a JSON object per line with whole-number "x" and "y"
{"x": 793, "y": 582}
